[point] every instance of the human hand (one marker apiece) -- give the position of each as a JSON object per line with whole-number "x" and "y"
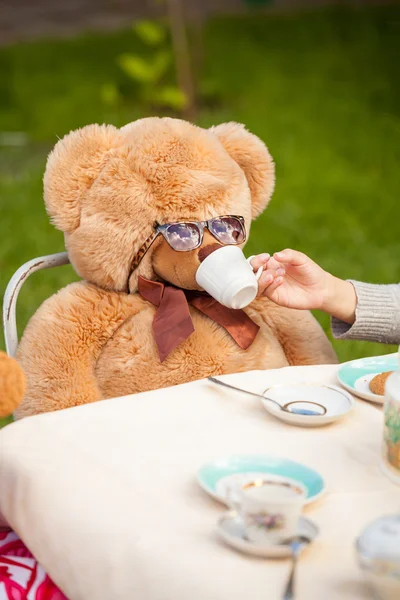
{"x": 291, "y": 279}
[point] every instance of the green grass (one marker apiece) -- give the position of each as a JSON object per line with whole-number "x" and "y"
{"x": 320, "y": 88}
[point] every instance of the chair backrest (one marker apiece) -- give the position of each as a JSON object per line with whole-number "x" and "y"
{"x": 13, "y": 289}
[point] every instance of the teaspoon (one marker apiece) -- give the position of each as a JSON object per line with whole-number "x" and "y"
{"x": 320, "y": 410}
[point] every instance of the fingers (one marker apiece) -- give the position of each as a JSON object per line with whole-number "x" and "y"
{"x": 273, "y": 275}
{"x": 260, "y": 260}
{"x": 266, "y": 261}
{"x": 270, "y": 289}
{"x": 293, "y": 257}
{"x": 275, "y": 284}
{"x": 273, "y": 264}
{"x": 268, "y": 280}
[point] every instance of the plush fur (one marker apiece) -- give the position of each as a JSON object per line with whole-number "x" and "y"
{"x": 12, "y": 385}
{"x": 104, "y": 188}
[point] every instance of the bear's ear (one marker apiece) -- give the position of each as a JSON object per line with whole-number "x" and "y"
{"x": 253, "y": 157}
{"x": 72, "y": 167}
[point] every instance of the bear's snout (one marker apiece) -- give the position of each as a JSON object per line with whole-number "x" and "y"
{"x": 207, "y": 250}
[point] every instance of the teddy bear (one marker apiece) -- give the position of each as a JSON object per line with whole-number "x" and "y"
{"x": 140, "y": 208}
{"x": 12, "y": 385}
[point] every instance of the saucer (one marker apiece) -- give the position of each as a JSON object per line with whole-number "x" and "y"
{"x": 356, "y": 375}
{"x": 218, "y": 477}
{"x": 336, "y": 402}
{"x": 231, "y": 530}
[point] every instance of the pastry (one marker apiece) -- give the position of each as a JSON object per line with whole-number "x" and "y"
{"x": 377, "y": 384}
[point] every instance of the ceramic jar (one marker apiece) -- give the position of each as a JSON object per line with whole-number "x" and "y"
{"x": 390, "y": 460}
{"x": 378, "y": 550}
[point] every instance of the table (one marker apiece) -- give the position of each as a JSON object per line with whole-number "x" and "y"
{"x": 105, "y": 495}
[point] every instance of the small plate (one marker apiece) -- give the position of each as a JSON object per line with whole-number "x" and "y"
{"x": 230, "y": 529}
{"x": 336, "y": 401}
{"x": 356, "y": 375}
{"x": 216, "y": 478}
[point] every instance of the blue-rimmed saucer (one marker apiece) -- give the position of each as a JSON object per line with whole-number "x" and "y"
{"x": 218, "y": 477}
{"x": 356, "y": 375}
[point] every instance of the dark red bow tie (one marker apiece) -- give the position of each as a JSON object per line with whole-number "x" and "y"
{"x": 173, "y": 324}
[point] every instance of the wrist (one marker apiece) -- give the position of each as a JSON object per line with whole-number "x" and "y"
{"x": 340, "y": 299}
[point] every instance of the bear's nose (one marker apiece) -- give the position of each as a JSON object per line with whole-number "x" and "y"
{"x": 207, "y": 250}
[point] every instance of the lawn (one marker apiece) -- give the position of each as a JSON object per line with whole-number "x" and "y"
{"x": 320, "y": 88}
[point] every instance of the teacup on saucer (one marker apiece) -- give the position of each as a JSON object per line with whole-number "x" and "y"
{"x": 232, "y": 530}
{"x": 218, "y": 477}
{"x": 270, "y": 508}
{"x": 230, "y": 486}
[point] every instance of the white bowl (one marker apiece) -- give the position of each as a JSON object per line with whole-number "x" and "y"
{"x": 336, "y": 401}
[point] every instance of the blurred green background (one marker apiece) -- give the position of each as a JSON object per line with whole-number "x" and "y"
{"x": 321, "y": 88}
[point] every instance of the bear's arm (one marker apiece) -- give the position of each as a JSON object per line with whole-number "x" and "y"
{"x": 62, "y": 342}
{"x": 299, "y": 333}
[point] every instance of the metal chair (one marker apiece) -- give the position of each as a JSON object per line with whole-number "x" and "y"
{"x": 13, "y": 289}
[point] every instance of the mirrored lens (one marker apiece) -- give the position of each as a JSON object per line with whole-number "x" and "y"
{"x": 183, "y": 236}
{"x": 227, "y": 230}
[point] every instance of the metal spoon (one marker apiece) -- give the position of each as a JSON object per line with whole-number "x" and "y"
{"x": 297, "y": 543}
{"x": 286, "y": 407}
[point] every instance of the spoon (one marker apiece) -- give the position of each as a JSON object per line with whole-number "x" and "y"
{"x": 297, "y": 544}
{"x": 320, "y": 410}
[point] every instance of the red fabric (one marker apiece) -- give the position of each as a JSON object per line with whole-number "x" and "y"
{"x": 173, "y": 324}
{"x": 21, "y": 576}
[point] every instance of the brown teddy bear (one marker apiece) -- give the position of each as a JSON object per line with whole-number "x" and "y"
{"x": 132, "y": 324}
{"x": 12, "y": 385}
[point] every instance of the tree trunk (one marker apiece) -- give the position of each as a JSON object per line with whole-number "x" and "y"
{"x": 182, "y": 56}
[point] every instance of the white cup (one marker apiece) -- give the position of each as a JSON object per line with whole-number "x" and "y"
{"x": 270, "y": 509}
{"x": 228, "y": 277}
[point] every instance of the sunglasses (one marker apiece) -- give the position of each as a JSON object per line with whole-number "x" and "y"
{"x": 188, "y": 235}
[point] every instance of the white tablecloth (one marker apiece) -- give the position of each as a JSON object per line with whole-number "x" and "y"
{"x": 105, "y": 495}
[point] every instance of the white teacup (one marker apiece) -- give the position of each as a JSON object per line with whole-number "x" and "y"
{"x": 270, "y": 509}
{"x": 228, "y": 277}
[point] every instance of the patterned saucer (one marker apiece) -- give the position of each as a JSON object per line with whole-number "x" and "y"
{"x": 231, "y": 530}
